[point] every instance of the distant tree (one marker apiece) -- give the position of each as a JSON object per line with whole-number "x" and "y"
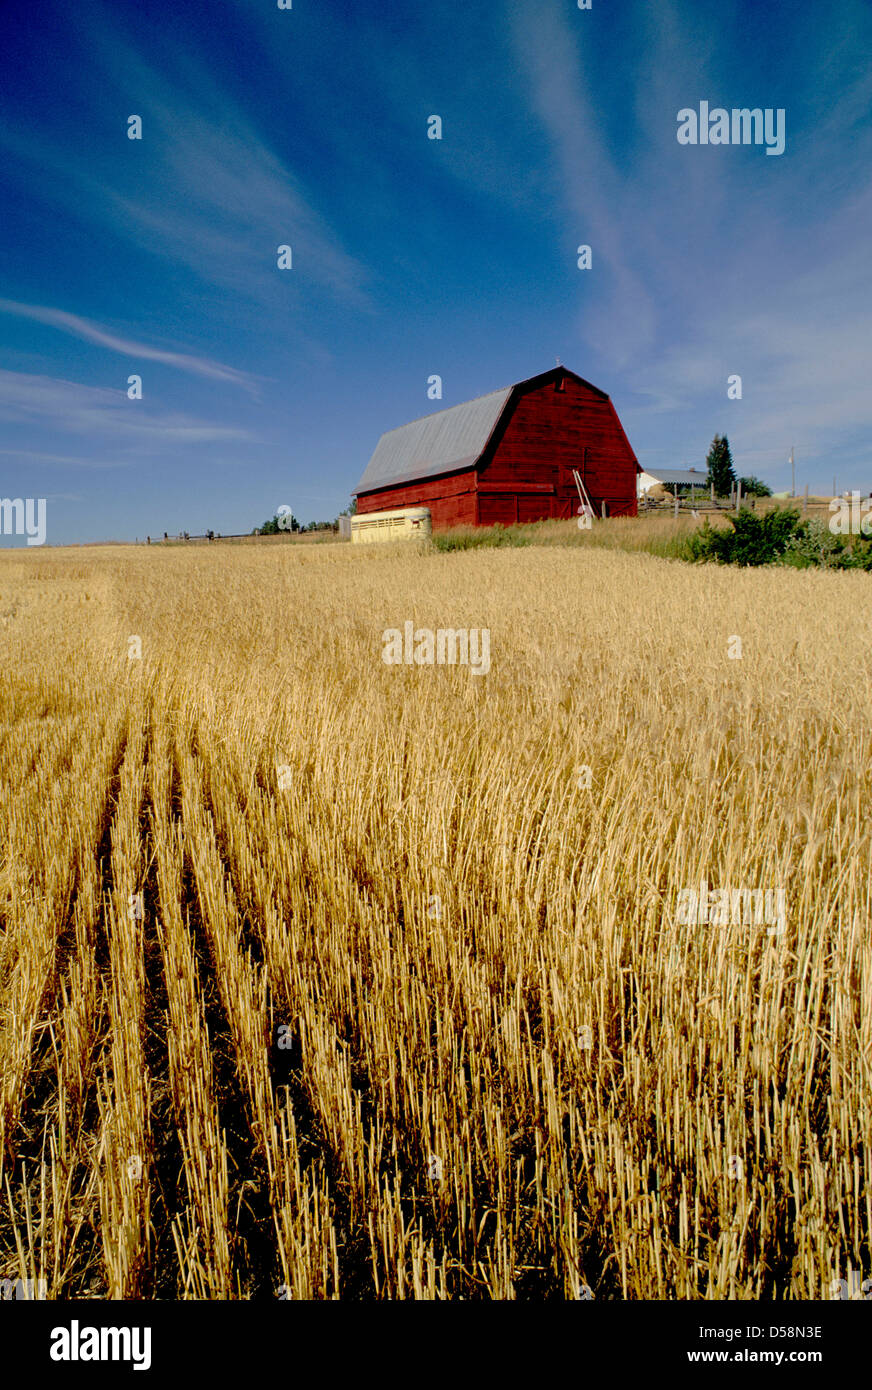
{"x": 273, "y": 528}
{"x": 753, "y": 487}
{"x": 350, "y": 510}
{"x": 719, "y": 462}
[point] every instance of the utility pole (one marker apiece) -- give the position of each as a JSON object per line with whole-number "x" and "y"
{"x": 792, "y": 474}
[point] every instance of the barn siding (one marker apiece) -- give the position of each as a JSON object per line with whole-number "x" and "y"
{"x": 497, "y": 507}
{"x": 549, "y": 433}
{"x": 450, "y": 497}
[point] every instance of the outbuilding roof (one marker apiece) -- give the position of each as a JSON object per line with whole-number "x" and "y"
{"x": 676, "y": 475}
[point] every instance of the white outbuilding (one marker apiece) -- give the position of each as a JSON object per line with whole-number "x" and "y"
{"x": 667, "y": 477}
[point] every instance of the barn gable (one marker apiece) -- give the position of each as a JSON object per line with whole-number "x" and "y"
{"x": 556, "y": 424}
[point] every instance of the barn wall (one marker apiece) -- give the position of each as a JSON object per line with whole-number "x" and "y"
{"x": 451, "y": 498}
{"x": 498, "y": 506}
{"x": 549, "y": 433}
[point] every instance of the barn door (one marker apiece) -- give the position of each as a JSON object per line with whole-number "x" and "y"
{"x": 561, "y": 502}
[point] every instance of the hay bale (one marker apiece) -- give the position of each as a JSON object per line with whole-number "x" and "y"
{"x": 659, "y": 492}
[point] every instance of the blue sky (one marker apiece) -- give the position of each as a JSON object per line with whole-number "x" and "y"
{"x": 411, "y": 256}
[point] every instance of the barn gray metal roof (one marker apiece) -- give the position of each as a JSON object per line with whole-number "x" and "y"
{"x": 452, "y": 438}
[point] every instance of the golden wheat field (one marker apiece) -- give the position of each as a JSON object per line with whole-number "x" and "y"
{"x": 325, "y": 978}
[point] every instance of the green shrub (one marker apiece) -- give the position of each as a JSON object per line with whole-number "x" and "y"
{"x": 752, "y": 540}
{"x": 861, "y": 553}
{"x": 815, "y": 544}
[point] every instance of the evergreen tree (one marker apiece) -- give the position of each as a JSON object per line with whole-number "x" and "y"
{"x": 720, "y": 466}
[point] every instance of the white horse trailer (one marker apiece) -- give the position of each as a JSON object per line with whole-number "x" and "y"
{"x": 405, "y": 524}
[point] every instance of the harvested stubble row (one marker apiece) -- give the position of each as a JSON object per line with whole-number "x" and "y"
{"x": 327, "y": 978}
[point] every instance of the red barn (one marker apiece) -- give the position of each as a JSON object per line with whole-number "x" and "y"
{"x": 507, "y": 457}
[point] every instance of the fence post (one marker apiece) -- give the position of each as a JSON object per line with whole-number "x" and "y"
{"x": 676, "y": 501}
{"x": 738, "y": 494}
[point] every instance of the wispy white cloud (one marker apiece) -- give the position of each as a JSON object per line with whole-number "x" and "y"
{"x": 69, "y": 407}
{"x": 560, "y": 91}
{"x": 39, "y": 457}
{"x": 222, "y": 206}
{"x": 217, "y": 199}
{"x": 203, "y": 189}
{"x": 714, "y": 265}
{"x": 94, "y": 333}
